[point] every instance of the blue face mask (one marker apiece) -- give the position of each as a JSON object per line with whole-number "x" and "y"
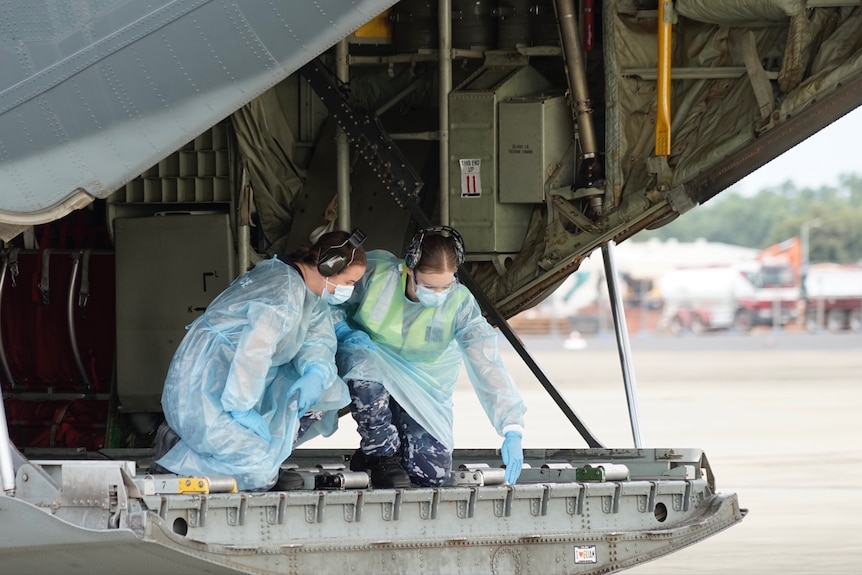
{"x": 431, "y": 298}
{"x": 341, "y": 295}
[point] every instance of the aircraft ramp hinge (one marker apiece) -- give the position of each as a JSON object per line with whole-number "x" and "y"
{"x": 679, "y": 199}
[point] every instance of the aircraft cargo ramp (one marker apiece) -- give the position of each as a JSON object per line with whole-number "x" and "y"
{"x": 574, "y": 511}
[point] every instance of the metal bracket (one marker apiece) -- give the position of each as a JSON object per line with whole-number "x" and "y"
{"x": 365, "y": 132}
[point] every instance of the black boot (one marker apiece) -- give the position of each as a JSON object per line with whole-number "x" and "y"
{"x": 165, "y": 440}
{"x": 385, "y": 471}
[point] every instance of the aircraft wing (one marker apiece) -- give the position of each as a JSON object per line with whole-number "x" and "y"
{"x": 94, "y": 93}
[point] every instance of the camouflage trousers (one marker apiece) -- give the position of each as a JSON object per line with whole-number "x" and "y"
{"x": 387, "y": 429}
{"x": 306, "y": 421}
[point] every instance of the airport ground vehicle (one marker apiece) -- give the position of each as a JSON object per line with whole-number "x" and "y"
{"x": 200, "y": 135}
{"x": 832, "y": 297}
{"x": 739, "y": 297}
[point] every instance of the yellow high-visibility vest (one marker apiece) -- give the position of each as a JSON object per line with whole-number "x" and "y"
{"x": 426, "y": 329}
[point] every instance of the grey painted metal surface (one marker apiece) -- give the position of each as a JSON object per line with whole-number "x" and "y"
{"x": 94, "y": 92}
{"x": 559, "y": 519}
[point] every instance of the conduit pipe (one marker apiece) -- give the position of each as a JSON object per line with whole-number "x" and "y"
{"x": 576, "y": 73}
{"x": 342, "y": 146}
{"x": 591, "y": 172}
{"x": 445, "y": 65}
{"x": 70, "y": 319}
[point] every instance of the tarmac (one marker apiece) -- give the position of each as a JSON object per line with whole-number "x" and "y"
{"x": 778, "y": 415}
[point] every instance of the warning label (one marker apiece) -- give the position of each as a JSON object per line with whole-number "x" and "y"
{"x": 471, "y": 185}
{"x": 585, "y": 554}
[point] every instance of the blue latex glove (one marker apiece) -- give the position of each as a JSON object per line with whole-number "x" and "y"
{"x": 359, "y": 338}
{"x": 355, "y": 337}
{"x": 252, "y": 420}
{"x": 513, "y": 456}
{"x": 342, "y": 330}
{"x": 309, "y": 387}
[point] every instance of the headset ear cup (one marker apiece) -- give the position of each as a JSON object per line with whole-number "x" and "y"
{"x": 331, "y": 263}
{"x": 460, "y": 250}
{"x": 414, "y": 251}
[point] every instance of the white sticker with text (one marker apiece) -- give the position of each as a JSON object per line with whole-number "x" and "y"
{"x": 471, "y": 185}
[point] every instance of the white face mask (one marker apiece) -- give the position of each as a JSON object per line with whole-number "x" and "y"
{"x": 431, "y": 298}
{"x": 341, "y": 295}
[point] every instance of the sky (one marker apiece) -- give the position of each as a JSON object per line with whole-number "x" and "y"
{"x": 815, "y": 162}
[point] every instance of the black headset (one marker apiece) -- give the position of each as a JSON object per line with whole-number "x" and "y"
{"x": 334, "y": 260}
{"x": 414, "y": 250}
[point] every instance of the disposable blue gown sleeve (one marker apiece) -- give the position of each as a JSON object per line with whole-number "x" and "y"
{"x": 339, "y": 314}
{"x": 246, "y": 379}
{"x": 318, "y": 347}
{"x": 494, "y": 387}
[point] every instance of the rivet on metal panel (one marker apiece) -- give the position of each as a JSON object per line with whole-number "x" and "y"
{"x": 462, "y": 509}
{"x": 607, "y": 503}
{"x": 677, "y": 502}
{"x": 310, "y": 513}
{"x": 499, "y": 506}
{"x": 349, "y": 512}
{"x": 643, "y": 501}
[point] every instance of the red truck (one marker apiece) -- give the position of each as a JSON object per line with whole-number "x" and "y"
{"x": 736, "y": 296}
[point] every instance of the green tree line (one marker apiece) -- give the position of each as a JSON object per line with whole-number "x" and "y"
{"x": 833, "y": 216}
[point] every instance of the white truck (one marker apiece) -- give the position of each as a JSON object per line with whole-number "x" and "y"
{"x": 832, "y": 297}
{"x": 737, "y": 296}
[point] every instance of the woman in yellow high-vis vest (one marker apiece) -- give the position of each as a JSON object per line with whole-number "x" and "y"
{"x": 401, "y": 343}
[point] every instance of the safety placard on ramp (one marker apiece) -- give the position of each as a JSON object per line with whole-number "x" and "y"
{"x": 471, "y": 184}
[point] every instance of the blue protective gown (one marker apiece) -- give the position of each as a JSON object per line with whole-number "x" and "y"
{"x": 420, "y": 350}
{"x": 253, "y": 341}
